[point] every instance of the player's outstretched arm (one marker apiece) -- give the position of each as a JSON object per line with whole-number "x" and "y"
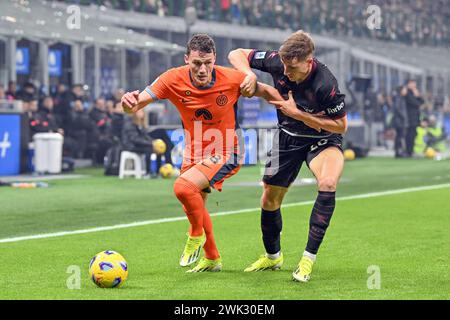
{"x": 267, "y": 92}
{"x": 239, "y": 59}
{"x": 134, "y": 101}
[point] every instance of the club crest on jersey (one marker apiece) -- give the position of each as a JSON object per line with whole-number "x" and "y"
{"x": 221, "y": 100}
{"x": 188, "y": 92}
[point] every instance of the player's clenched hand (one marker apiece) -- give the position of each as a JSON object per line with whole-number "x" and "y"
{"x": 129, "y": 101}
{"x": 289, "y": 108}
{"x": 248, "y": 86}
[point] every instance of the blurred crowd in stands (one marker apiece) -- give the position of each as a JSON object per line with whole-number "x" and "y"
{"x": 417, "y": 22}
{"x": 414, "y": 120}
{"x": 89, "y": 128}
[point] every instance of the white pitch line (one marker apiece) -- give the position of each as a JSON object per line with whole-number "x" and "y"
{"x": 157, "y": 221}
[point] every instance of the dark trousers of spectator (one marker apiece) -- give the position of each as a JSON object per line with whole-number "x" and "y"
{"x": 411, "y": 133}
{"x": 75, "y": 147}
{"x": 400, "y": 141}
{"x": 102, "y": 146}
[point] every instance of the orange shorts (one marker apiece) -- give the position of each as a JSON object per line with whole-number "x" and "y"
{"x": 216, "y": 169}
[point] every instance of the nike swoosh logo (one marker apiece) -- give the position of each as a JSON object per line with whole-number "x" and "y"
{"x": 205, "y": 165}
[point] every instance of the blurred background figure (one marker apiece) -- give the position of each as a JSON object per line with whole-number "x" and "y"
{"x": 102, "y": 134}
{"x": 413, "y": 102}
{"x": 65, "y": 101}
{"x": 11, "y": 92}
{"x": 79, "y": 139}
{"x": 2, "y": 92}
{"x": 135, "y": 137}
{"x": 400, "y": 121}
{"x": 46, "y": 117}
{"x": 117, "y": 120}
{"x": 429, "y": 135}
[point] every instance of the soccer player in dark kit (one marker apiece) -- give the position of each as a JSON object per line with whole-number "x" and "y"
{"x": 311, "y": 122}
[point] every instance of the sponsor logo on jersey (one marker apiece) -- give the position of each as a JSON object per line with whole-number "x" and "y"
{"x": 336, "y": 109}
{"x": 260, "y": 55}
{"x": 183, "y": 100}
{"x": 307, "y": 109}
{"x": 203, "y": 113}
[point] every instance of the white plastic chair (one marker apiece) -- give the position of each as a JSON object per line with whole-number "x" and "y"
{"x": 137, "y": 169}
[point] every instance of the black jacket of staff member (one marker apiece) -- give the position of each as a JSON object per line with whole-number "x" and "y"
{"x": 30, "y": 109}
{"x": 413, "y": 102}
{"x": 64, "y": 104}
{"x": 400, "y": 121}
{"x": 135, "y": 137}
{"x": 102, "y": 135}
{"x": 46, "y": 117}
{"x": 101, "y": 117}
{"x": 117, "y": 120}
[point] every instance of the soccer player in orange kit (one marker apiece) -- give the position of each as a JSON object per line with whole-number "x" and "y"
{"x": 206, "y": 97}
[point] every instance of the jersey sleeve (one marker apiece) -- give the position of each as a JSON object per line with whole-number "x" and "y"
{"x": 267, "y": 61}
{"x": 332, "y": 100}
{"x": 160, "y": 88}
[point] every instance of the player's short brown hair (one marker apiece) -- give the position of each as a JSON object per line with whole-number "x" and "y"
{"x": 201, "y": 42}
{"x": 298, "y": 46}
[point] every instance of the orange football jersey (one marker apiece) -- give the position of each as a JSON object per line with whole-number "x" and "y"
{"x": 208, "y": 113}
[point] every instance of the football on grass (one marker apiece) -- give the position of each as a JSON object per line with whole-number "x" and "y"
{"x": 108, "y": 269}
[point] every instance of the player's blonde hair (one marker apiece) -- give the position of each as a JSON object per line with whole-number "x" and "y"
{"x": 298, "y": 45}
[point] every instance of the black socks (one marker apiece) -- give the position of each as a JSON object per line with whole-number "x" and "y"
{"x": 271, "y": 225}
{"x": 320, "y": 219}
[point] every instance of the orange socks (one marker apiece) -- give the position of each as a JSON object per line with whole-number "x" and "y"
{"x": 211, "y": 251}
{"x": 193, "y": 205}
{"x": 191, "y": 198}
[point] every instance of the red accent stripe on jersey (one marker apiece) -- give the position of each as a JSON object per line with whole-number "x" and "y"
{"x": 273, "y": 54}
{"x": 250, "y": 55}
{"x": 333, "y": 92}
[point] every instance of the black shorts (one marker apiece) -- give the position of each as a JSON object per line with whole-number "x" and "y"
{"x": 288, "y": 154}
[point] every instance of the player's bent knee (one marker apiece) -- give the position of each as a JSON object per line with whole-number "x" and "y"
{"x": 270, "y": 205}
{"x": 271, "y": 201}
{"x": 184, "y": 189}
{"x": 328, "y": 184}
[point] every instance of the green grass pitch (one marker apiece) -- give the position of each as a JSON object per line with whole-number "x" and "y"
{"x": 406, "y": 235}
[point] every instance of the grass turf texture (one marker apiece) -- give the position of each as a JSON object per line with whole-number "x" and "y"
{"x": 406, "y": 235}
